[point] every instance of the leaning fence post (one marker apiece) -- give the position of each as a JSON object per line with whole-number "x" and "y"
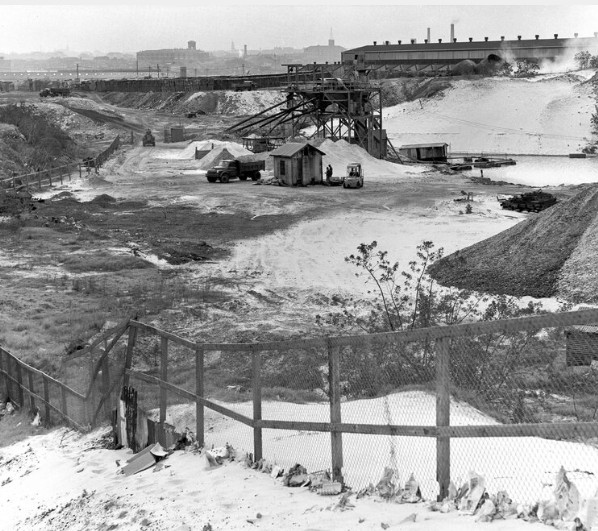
{"x": 199, "y": 392}
{"x": 163, "y": 390}
{"x": 336, "y": 437}
{"x": 256, "y": 363}
{"x": 443, "y": 411}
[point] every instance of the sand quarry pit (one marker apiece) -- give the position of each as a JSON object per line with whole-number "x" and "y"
{"x": 266, "y": 260}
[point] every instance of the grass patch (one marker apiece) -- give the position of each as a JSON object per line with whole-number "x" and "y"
{"x": 102, "y": 261}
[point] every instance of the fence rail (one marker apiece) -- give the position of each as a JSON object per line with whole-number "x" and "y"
{"x": 179, "y": 367}
{"x": 51, "y": 176}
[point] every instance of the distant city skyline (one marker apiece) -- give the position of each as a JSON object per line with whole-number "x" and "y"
{"x": 133, "y": 27}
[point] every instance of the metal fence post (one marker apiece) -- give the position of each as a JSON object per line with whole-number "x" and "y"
{"x": 336, "y": 438}
{"x": 163, "y": 391}
{"x": 199, "y": 391}
{"x": 443, "y": 411}
{"x": 256, "y": 362}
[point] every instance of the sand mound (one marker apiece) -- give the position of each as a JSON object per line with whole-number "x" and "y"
{"x": 547, "y": 255}
{"x": 226, "y": 150}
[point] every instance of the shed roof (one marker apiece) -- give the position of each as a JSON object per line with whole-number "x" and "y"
{"x": 588, "y": 329}
{"x": 291, "y": 148}
{"x": 433, "y": 144}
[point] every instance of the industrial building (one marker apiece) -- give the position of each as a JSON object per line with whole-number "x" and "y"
{"x": 411, "y": 56}
{"x": 173, "y": 58}
{"x": 322, "y": 54}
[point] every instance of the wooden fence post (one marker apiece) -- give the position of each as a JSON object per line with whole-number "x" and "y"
{"x": 5, "y": 377}
{"x": 336, "y": 438}
{"x": 443, "y": 412}
{"x": 129, "y": 354}
{"x": 46, "y": 400}
{"x": 80, "y": 174}
{"x": 256, "y": 382}
{"x": 163, "y": 391}
{"x": 106, "y": 387}
{"x": 31, "y": 391}
{"x": 199, "y": 391}
{"x": 63, "y": 402}
{"x": 19, "y": 384}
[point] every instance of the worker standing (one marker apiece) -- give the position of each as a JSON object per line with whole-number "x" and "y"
{"x": 328, "y": 172}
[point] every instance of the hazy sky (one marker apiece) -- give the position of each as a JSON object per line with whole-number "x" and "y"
{"x": 131, "y": 26}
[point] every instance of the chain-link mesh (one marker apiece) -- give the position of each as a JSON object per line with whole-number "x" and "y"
{"x": 535, "y": 376}
{"x": 523, "y": 401}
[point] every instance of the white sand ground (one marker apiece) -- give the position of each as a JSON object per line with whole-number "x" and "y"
{"x": 547, "y": 115}
{"x": 62, "y": 480}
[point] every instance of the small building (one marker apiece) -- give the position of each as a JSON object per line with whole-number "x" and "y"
{"x": 298, "y": 164}
{"x": 435, "y": 152}
{"x": 582, "y": 345}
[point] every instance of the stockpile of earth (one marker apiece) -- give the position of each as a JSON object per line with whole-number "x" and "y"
{"x": 549, "y": 254}
{"x": 215, "y": 102}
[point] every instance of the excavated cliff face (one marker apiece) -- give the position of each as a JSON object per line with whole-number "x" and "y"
{"x": 549, "y": 254}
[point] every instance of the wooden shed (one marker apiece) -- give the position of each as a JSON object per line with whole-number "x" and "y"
{"x": 582, "y": 344}
{"x": 435, "y": 152}
{"x": 297, "y": 164}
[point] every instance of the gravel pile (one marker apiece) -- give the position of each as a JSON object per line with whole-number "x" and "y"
{"x": 550, "y": 254}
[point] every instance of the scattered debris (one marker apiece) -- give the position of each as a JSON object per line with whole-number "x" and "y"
{"x": 387, "y": 487}
{"x": 145, "y": 459}
{"x": 296, "y": 476}
{"x": 330, "y": 488}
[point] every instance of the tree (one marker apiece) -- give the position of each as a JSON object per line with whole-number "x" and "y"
{"x": 485, "y": 365}
{"x": 526, "y": 68}
{"x": 582, "y": 59}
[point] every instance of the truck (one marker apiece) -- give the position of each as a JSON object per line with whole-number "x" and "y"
{"x": 55, "y": 91}
{"x": 531, "y": 201}
{"x": 148, "y": 139}
{"x": 244, "y": 85}
{"x": 233, "y": 169}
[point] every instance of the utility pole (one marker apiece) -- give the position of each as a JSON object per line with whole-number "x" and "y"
{"x": 158, "y": 70}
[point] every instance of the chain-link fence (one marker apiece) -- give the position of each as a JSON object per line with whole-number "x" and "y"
{"x": 512, "y": 401}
